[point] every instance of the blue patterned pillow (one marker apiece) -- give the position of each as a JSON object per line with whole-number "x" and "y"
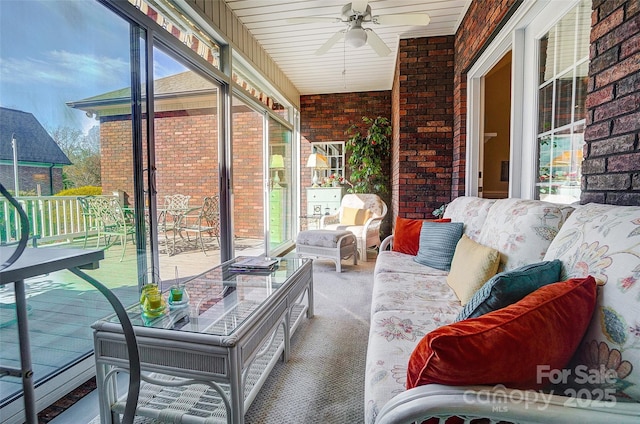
{"x": 438, "y": 242}
{"x": 508, "y": 287}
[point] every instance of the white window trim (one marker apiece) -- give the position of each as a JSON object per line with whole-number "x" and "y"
{"x": 528, "y": 24}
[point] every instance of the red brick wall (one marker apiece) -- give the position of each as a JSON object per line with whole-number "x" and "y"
{"x": 186, "y": 155}
{"x": 325, "y": 117}
{"x": 481, "y": 20}
{"x": 187, "y": 161}
{"x": 423, "y": 120}
{"x": 612, "y": 155}
{"x": 248, "y": 184}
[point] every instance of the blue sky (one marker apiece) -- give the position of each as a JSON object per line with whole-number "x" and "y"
{"x": 55, "y": 51}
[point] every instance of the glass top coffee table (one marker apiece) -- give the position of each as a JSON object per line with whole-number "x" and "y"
{"x": 209, "y": 358}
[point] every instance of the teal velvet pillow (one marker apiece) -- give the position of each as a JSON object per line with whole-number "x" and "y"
{"x": 508, "y": 287}
{"x": 438, "y": 244}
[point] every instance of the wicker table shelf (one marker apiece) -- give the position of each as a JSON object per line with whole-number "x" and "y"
{"x": 206, "y": 363}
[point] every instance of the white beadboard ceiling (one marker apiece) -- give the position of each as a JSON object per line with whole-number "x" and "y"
{"x": 341, "y": 69}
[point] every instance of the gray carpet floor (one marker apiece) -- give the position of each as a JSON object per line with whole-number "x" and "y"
{"x": 323, "y": 381}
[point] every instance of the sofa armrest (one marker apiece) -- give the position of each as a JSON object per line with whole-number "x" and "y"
{"x": 387, "y": 243}
{"x": 501, "y": 404}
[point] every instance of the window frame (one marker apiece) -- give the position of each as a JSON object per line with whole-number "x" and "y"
{"x": 520, "y": 34}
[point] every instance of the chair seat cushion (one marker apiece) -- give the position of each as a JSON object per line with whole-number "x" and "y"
{"x": 321, "y": 238}
{"x": 356, "y": 230}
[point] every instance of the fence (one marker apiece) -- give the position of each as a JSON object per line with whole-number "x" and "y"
{"x": 51, "y": 218}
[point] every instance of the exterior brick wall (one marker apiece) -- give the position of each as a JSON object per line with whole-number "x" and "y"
{"x": 325, "y": 117}
{"x": 423, "y": 126}
{"x": 473, "y": 35}
{"x": 247, "y": 153}
{"x": 611, "y": 169}
{"x": 187, "y": 161}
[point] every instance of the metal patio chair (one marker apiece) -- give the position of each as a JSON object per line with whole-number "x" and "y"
{"x": 111, "y": 222}
{"x": 174, "y": 208}
{"x": 207, "y": 221}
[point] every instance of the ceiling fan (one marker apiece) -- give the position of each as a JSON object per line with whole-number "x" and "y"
{"x": 356, "y": 13}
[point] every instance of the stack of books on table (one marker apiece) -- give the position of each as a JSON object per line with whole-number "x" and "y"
{"x": 254, "y": 263}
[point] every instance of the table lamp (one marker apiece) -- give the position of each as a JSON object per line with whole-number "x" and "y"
{"x": 317, "y": 161}
{"x": 276, "y": 165}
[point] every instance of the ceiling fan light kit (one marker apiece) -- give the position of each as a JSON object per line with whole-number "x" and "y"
{"x": 356, "y": 13}
{"x": 355, "y": 37}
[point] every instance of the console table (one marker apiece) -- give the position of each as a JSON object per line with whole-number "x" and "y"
{"x": 34, "y": 262}
{"x": 205, "y": 362}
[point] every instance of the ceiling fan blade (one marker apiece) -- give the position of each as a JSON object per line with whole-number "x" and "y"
{"x": 313, "y": 19}
{"x": 412, "y": 19}
{"x": 376, "y": 43}
{"x": 359, "y": 6}
{"x": 329, "y": 43}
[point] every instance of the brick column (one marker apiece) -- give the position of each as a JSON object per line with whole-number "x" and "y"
{"x": 610, "y": 171}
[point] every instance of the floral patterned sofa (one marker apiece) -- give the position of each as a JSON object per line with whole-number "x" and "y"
{"x": 411, "y": 300}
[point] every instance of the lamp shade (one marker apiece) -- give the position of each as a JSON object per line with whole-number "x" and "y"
{"x": 277, "y": 162}
{"x": 355, "y": 37}
{"x": 317, "y": 161}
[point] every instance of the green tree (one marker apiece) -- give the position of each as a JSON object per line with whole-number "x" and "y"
{"x": 368, "y": 152}
{"x": 83, "y": 150}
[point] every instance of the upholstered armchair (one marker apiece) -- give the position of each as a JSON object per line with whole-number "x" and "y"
{"x": 362, "y": 214}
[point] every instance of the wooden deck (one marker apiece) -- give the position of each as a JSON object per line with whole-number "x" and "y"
{"x": 63, "y": 307}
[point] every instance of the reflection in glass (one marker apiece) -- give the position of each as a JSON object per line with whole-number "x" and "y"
{"x": 280, "y": 194}
{"x": 545, "y": 108}
{"x": 564, "y": 100}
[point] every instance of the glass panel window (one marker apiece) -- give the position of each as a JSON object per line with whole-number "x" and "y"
{"x": 247, "y": 152}
{"x": 186, "y": 176}
{"x": 564, "y": 101}
{"x": 561, "y": 106}
{"x": 281, "y": 189}
{"x": 334, "y": 152}
{"x": 56, "y": 58}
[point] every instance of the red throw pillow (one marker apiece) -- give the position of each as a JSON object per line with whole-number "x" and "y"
{"x": 507, "y": 346}
{"x": 406, "y": 234}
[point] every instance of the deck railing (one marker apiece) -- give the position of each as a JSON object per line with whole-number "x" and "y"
{"x": 51, "y": 218}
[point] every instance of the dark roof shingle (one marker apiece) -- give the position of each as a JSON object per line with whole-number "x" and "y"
{"x": 34, "y": 143}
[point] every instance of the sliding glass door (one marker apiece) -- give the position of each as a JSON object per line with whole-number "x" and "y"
{"x": 68, "y": 103}
{"x": 248, "y": 179}
{"x": 185, "y": 169}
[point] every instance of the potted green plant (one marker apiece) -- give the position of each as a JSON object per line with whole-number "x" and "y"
{"x": 368, "y": 151}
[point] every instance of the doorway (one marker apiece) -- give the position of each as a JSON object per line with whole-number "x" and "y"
{"x": 495, "y": 145}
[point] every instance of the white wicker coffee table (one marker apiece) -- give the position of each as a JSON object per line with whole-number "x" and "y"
{"x": 206, "y": 363}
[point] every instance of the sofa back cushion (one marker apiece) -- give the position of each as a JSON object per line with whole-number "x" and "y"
{"x": 521, "y": 230}
{"x": 472, "y": 211}
{"x": 604, "y": 241}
